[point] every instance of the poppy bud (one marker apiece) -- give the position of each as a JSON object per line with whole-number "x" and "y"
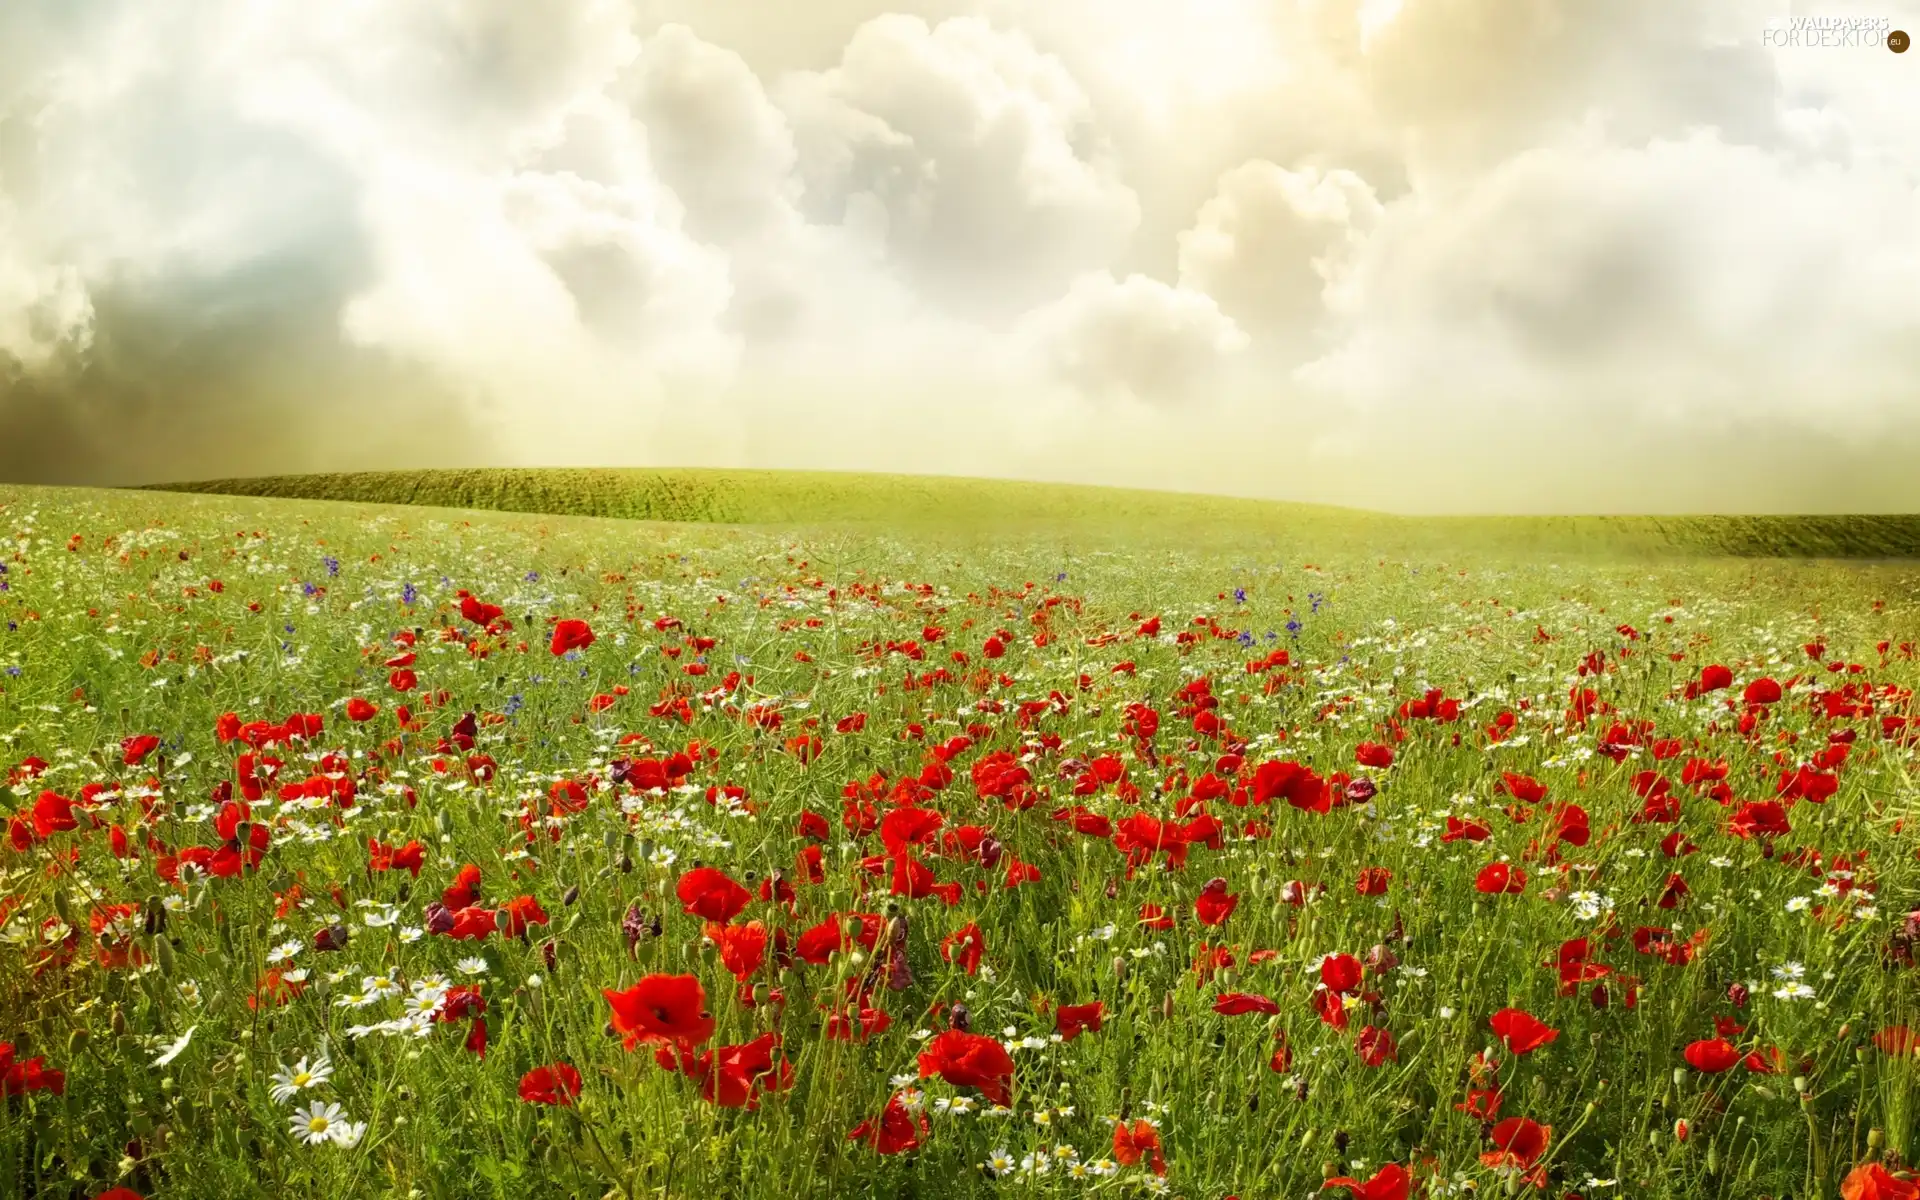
{"x": 1680, "y": 1130}
{"x": 550, "y": 954}
{"x": 570, "y": 895}
{"x": 163, "y": 955}
{"x": 1166, "y": 1008}
{"x": 1119, "y": 969}
{"x": 1876, "y": 1138}
{"x": 1800, "y": 1084}
{"x": 1738, "y": 994}
{"x": 611, "y": 839}
{"x": 959, "y": 1018}
{"x": 63, "y": 906}
{"x": 1340, "y": 1141}
{"x": 625, "y": 865}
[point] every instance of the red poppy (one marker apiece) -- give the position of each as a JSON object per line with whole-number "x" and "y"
{"x": 570, "y": 634}
{"x": 1500, "y": 878}
{"x": 969, "y": 1060}
{"x": 1390, "y": 1182}
{"x": 1712, "y": 1055}
{"x": 1871, "y": 1181}
{"x": 1376, "y": 1046}
{"x": 1341, "y": 973}
{"x": 1132, "y": 1142}
{"x": 557, "y": 1084}
{"x": 1373, "y": 754}
{"x": 1521, "y": 1142}
{"x": 742, "y": 947}
{"x": 1522, "y": 1032}
{"x": 1469, "y": 831}
{"x": 1214, "y": 904}
{"x": 409, "y": 858}
{"x": 522, "y": 911}
{"x": 968, "y": 943}
{"x": 662, "y": 1008}
{"x": 134, "y": 750}
{"x": 1235, "y": 1004}
{"x": 734, "y": 1076}
{"x": 19, "y": 1078}
{"x": 1069, "y": 1020}
{"x": 361, "y": 710}
{"x": 1373, "y": 881}
{"x": 465, "y": 889}
{"x": 711, "y": 894}
{"x": 896, "y": 1131}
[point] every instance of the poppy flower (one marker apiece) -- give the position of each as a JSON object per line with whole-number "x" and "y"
{"x": 1069, "y": 1020}
{"x": 1522, "y": 1032}
{"x": 1235, "y": 1004}
{"x": 1500, "y": 878}
{"x": 968, "y": 943}
{"x": 557, "y": 1084}
{"x": 1373, "y": 881}
{"x": 1465, "y": 830}
{"x": 1520, "y": 1141}
{"x": 662, "y": 1008}
{"x": 1341, "y": 973}
{"x": 522, "y": 911}
{"x": 736, "y": 1076}
{"x": 1376, "y": 1046}
{"x": 361, "y": 710}
{"x": 1137, "y": 1140}
{"x": 1214, "y": 904}
{"x": 742, "y": 947}
{"x": 1712, "y": 1055}
{"x": 134, "y": 750}
{"x": 897, "y": 1130}
{"x": 711, "y": 894}
{"x": 1373, "y": 754}
{"x": 1871, "y": 1181}
{"x": 570, "y": 634}
{"x": 1390, "y": 1182}
{"x": 969, "y": 1060}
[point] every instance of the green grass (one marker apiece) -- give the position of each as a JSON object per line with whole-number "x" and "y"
{"x": 118, "y": 633}
{"x": 914, "y": 501}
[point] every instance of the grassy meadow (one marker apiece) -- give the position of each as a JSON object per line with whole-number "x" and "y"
{"x": 861, "y": 836}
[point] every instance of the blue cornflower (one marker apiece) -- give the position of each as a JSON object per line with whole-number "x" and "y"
{"x": 332, "y": 564}
{"x": 1240, "y": 595}
{"x": 533, "y": 577}
{"x": 408, "y": 595}
{"x": 14, "y": 671}
{"x": 514, "y": 704}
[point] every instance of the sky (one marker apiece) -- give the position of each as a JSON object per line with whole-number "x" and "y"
{"x": 1530, "y": 256}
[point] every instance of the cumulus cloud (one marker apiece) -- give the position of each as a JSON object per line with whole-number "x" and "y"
{"x": 1268, "y": 242}
{"x": 977, "y": 156}
{"x": 1437, "y": 253}
{"x": 1134, "y": 339}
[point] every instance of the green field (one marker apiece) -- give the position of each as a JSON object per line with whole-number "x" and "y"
{"x": 917, "y": 501}
{"x": 1554, "y": 858}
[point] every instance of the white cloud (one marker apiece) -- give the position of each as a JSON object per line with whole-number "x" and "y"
{"x": 1133, "y": 339}
{"x": 964, "y": 235}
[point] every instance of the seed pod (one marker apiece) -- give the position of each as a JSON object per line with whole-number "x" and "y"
{"x": 1166, "y": 1007}
{"x": 63, "y": 907}
{"x": 1876, "y": 1138}
{"x": 163, "y": 955}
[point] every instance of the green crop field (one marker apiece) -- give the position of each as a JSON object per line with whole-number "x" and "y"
{"x": 915, "y": 501}
{"x": 866, "y": 836}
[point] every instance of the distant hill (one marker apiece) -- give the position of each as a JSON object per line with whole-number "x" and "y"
{"x": 817, "y": 498}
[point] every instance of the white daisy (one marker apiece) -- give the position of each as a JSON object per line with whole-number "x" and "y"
{"x": 288, "y": 1081}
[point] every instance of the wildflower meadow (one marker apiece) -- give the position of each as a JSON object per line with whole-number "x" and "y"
{"x": 373, "y": 851}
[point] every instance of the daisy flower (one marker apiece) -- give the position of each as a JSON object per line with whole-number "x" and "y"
{"x": 288, "y": 1081}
